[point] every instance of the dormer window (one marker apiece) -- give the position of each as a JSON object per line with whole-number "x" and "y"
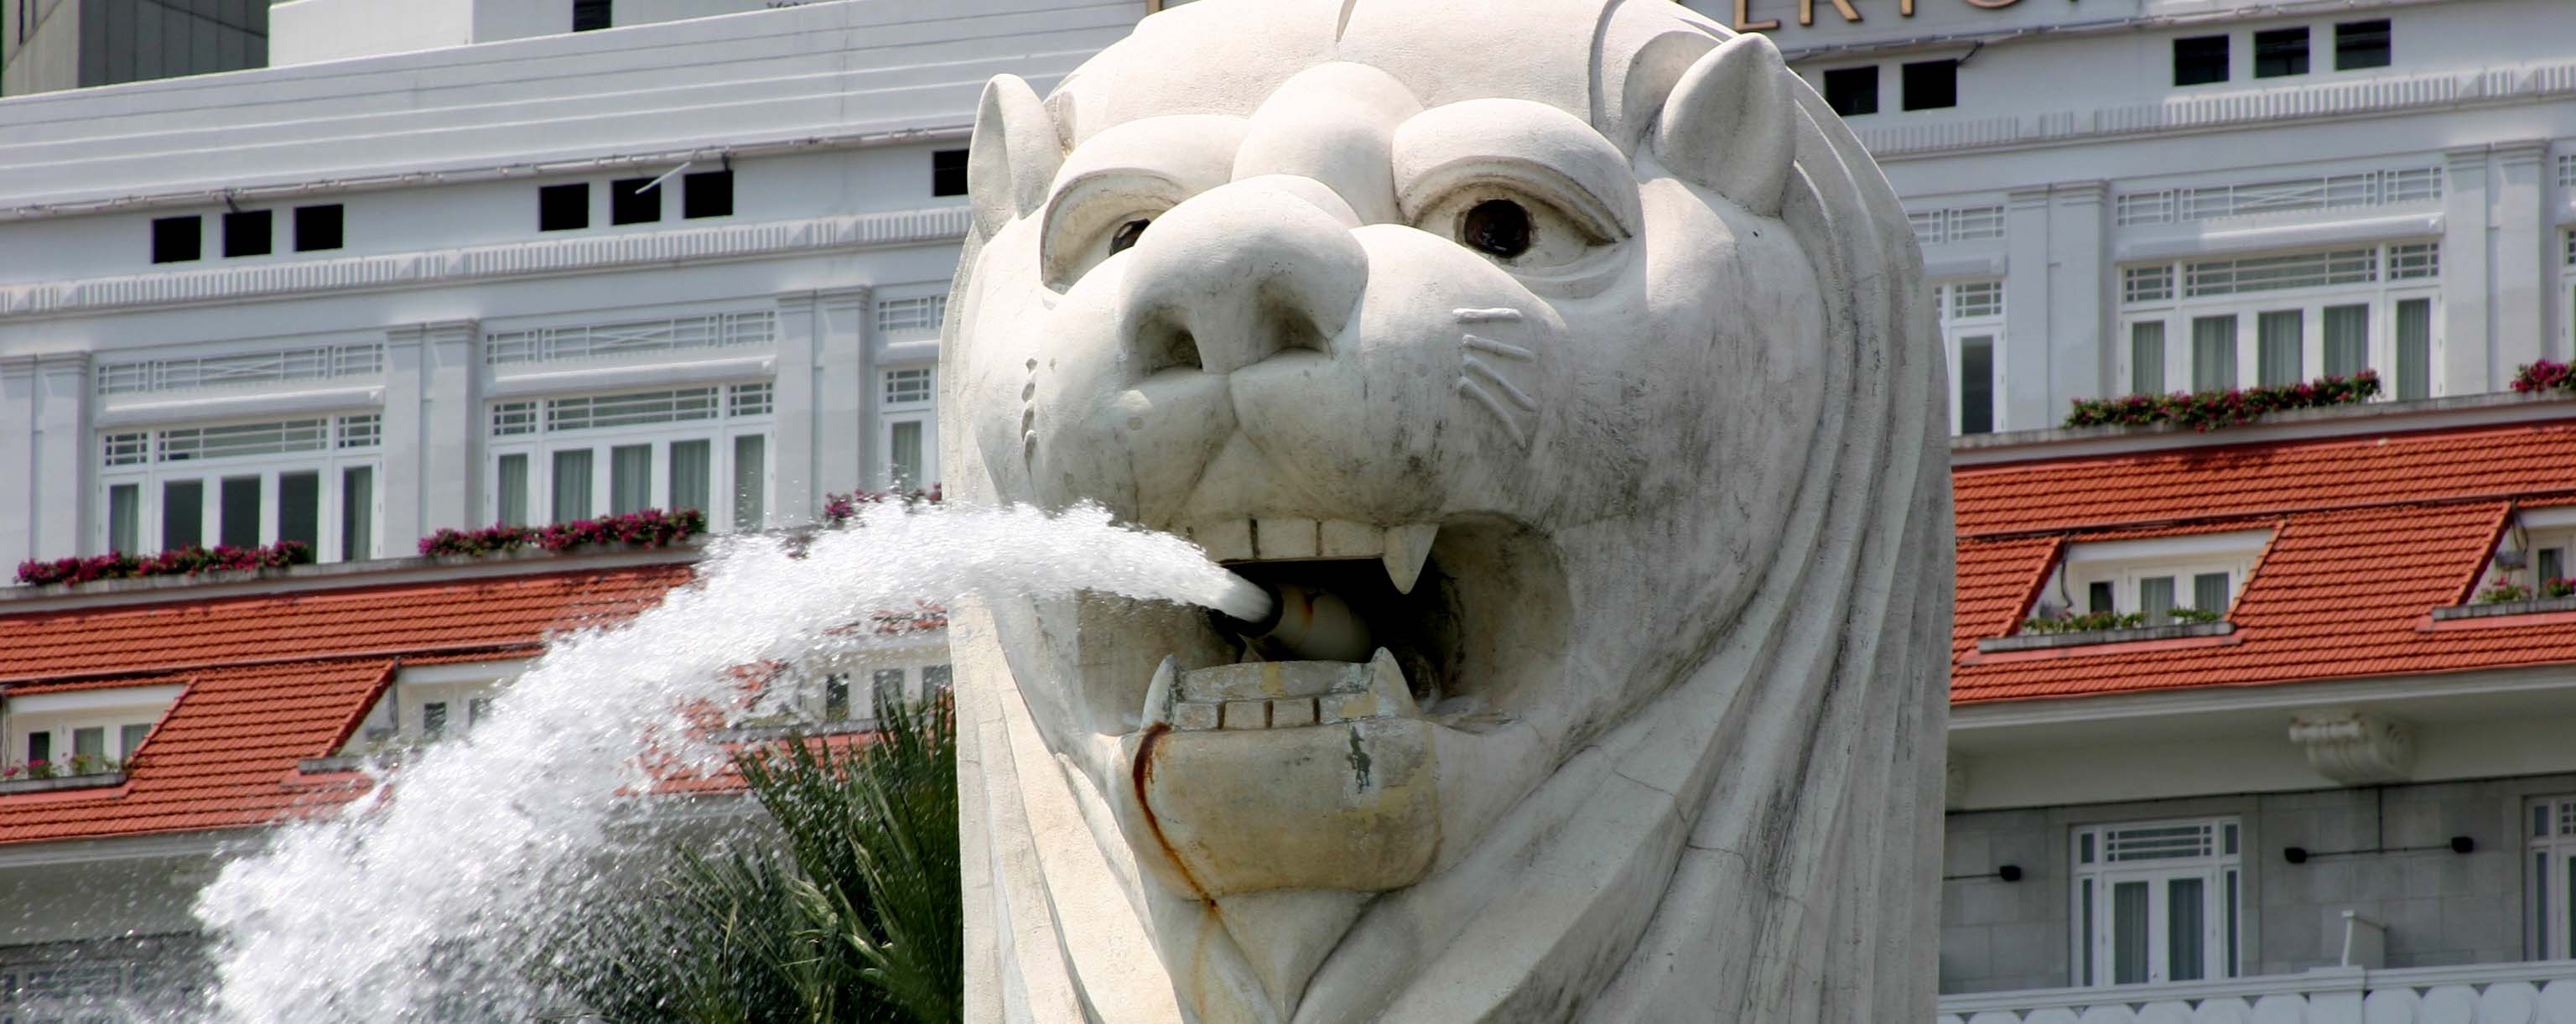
{"x": 2535, "y": 559}
{"x": 2159, "y": 581}
{"x": 81, "y": 731}
{"x": 429, "y": 704}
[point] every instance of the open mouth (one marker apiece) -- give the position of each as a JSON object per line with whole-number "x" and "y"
{"x": 1305, "y": 751}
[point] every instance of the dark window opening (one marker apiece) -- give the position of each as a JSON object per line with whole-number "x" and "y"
{"x": 1932, "y": 85}
{"x": 2361, "y": 44}
{"x": 706, "y": 194}
{"x": 588, "y": 15}
{"x": 433, "y": 719}
{"x": 317, "y": 227}
{"x": 1977, "y": 385}
{"x": 183, "y": 513}
{"x": 2281, "y": 51}
{"x": 2097, "y": 597}
{"x": 177, "y": 239}
{"x": 948, "y": 172}
{"x": 40, "y": 747}
{"x": 1852, "y": 91}
{"x": 2200, "y": 60}
{"x": 248, "y": 233}
{"x": 629, "y": 203}
{"x": 239, "y": 526}
{"x": 299, "y": 509}
{"x": 836, "y": 696}
{"x": 563, "y": 207}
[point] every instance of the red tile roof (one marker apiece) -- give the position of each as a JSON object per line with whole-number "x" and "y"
{"x": 2371, "y": 534}
{"x": 274, "y": 679}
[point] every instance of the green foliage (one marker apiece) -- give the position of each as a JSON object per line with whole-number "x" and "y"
{"x": 858, "y": 920}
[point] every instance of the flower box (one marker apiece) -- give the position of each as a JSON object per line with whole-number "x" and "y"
{"x": 2489, "y": 609}
{"x": 92, "y": 780}
{"x": 2210, "y": 410}
{"x": 2038, "y": 641}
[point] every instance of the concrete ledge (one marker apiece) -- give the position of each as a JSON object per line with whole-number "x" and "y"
{"x": 2037, "y": 641}
{"x": 2501, "y": 608}
{"x": 93, "y": 780}
{"x": 327, "y": 575}
{"x": 2343, "y": 421}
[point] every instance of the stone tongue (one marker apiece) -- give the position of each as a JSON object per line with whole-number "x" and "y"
{"x": 1284, "y": 934}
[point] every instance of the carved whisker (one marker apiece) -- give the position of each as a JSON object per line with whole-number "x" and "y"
{"x": 1473, "y": 315}
{"x": 1471, "y": 389}
{"x": 1498, "y": 348}
{"x": 1519, "y": 397}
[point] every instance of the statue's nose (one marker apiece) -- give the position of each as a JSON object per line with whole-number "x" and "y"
{"x": 1243, "y": 272}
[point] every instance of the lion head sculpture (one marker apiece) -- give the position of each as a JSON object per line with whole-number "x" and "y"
{"x": 1572, "y": 360}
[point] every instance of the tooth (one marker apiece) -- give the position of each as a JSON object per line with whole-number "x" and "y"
{"x": 1245, "y": 714}
{"x": 1158, "y": 694}
{"x": 1284, "y": 538}
{"x": 1386, "y": 683}
{"x": 1341, "y": 538}
{"x": 1289, "y": 714}
{"x": 1228, "y": 541}
{"x": 1190, "y": 715}
{"x": 1407, "y": 547}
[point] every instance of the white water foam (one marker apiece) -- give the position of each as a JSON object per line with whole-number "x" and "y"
{"x": 409, "y": 901}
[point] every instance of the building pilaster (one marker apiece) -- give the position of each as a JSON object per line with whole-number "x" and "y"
{"x": 821, "y": 347}
{"x": 2025, "y": 379}
{"x": 2083, "y": 362}
{"x": 2519, "y": 294}
{"x": 61, "y": 436}
{"x": 2464, "y": 358}
{"x": 18, "y": 460}
{"x": 432, "y": 390}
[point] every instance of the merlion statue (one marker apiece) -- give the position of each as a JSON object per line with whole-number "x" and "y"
{"x": 1565, "y": 369}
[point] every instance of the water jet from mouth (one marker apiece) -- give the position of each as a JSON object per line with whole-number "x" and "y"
{"x": 403, "y": 907}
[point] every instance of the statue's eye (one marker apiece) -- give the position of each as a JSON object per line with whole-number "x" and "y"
{"x": 1125, "y": 237}
{"x": 1498, "y": 227}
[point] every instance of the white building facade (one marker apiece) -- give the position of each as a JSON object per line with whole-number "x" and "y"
{"x": 693, "y": 264}
{"x": 2124, "y": 196}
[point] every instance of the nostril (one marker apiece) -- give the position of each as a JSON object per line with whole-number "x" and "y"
{"x": 1164, "y": 345}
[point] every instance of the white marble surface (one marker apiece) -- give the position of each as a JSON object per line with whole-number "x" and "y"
{"x": 1598, "y": 353}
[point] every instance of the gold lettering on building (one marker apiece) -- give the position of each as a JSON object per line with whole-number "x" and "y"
{"x": 1807, "y": 11}
{"x": 1744, "y": 21}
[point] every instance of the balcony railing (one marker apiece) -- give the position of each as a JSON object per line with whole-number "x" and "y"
{"x": 2510, "y": 993}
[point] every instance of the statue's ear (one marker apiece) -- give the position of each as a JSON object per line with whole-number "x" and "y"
{"x": 1014, "y": 154}
{"x": 1731, "y": 123}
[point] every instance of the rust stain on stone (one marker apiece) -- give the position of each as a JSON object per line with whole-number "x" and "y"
{"x": 1144, "y": 773}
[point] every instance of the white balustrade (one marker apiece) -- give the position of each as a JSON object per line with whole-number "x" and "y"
{"x": 2512, "y": 993}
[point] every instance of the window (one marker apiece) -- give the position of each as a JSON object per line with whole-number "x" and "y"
{"x": 2213, "y": 353}
{"x": 1852, "y": 91}
{"x": 317, "y": 228}
{"x": 591, "y": 15}
{"x": 273, "y": 366}
{"x": 2287, "y": 318}
{"x": 631, "y": 337}
{"x": 907, "y": 429}
{"x": 433, "y": 719}
{"x": 750, "y": 473}
{"x": 244, "y": 484}
{"x": 2361, "y": 44}
{"x": 40, "y": 747}
{"x": 248, "y": 233}
{"x": 576, "y": 456}
{"x": 2281, "y": 51}
{"x": 706, "y": 194}
{"x": 2147, "y": 358}
{"x": 1931, "y": 84}
{"x": 103, "y": 727}
{"x": 1971, "y": 314}
{"x": 357, "y": 514}
{"x": 2549, "y": 885}
{"x": 563, "y": 207}
{"x": 478, "y": 710}
{"x": 934, "y": 681}
{"x": 2200, "y": 60}
{"x": 124, "y": 506}
{"x": 2276, "y": 359}
{"x": 1977, "y": 385}
{"x": 919, "y": 314}
{"x": 2415, "y": 348}
{"x": 836, "y": 696}
{"x": 130, "y": 737}
{"x": 888, "y": 686}
{"x": 2281, "y": 195}
{"x": 2154, "y": 577}
{"x": 177, "y": 239}
{"x": 948, "y": 172}
{"x": 629, "y": 202}
{"x": 1956, "y": 224}
{"x": 2157, "y": 902}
